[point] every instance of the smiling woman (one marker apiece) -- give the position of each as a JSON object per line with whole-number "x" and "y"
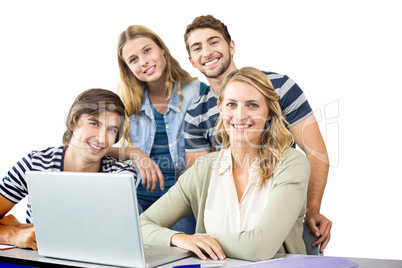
{"x": 255, "y": 166}
{"x": 157, "y": 93}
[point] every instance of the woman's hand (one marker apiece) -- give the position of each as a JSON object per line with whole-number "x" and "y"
{"x": 149, "y": 170}
{"x": 199, "y": 244}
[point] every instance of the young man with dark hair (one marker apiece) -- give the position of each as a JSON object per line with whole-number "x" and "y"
{"x": 94, "y": 123}
{"x": 211, "y": 51}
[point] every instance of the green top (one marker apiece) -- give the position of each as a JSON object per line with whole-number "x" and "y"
{"x": 279, "y": 228}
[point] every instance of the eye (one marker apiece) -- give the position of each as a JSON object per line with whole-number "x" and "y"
{"x": 215, "y": 42}
{"x": 253, "y": 105}
{"x": 94, "y": 124}
{"x": 196, "y": 49}
{"x": 146, "y": 51}
{"x": 231, "y": 104}
{"x": 113, "y": 130}
{"x": 133, "y": 60}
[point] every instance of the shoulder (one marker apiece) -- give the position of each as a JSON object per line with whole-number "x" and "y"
{"x": 204, "y": 103}
{"x": 190, "y": 92}
{"x": 48, "y": 152}
{"x": 277, "y": 77}
{"x": 295, "y": 156}
{"x": 294, "y": 166}
{"x": 282, "y": 83}
{"x": 199, "y": 174}
{"x": 206, "y": 161}
{"x": 204, "y": 164}
{"x": 191, "y": 87}
{"x": 47, "y": 159}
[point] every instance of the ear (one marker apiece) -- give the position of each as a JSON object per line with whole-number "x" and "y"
{"x": 232, "y": 48}
{"x": 191, "y": 61}
{"x": 219, "y": 106}
{"x": 72, "y": 127}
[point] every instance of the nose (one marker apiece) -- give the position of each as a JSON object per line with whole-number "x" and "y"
{"x": 144, "y": 61}
{"x": 207, "y": 51}
{"x": 239, "y": 112}
{"x": 102, "y": 135}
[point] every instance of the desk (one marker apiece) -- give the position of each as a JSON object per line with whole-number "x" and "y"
{"x": 30, "y": 257}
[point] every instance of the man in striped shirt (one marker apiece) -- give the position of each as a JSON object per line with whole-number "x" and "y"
{"x": 211, "y": 51}
{"x": 94, "y": 123}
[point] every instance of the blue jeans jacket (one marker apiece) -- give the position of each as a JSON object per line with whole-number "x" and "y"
{"x": 143, "y": 126}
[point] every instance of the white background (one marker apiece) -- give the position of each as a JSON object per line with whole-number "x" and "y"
{"x": 345, "y": 55}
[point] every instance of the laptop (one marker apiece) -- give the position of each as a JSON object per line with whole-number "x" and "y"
{"x": 92, "y": 217}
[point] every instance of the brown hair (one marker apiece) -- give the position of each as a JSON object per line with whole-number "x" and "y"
{"x": 207, "y": 21}
{"x": 94, "y": 102}
{"x": 276, "y": 138}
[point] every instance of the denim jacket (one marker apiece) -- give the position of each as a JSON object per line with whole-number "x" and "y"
{"x": 143, "y": 126}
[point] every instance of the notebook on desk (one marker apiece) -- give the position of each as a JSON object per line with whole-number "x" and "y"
{"x": 91, "y": 217}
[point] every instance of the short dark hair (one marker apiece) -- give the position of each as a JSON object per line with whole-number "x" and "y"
{"x": 94, "y": 102}
{"x": 207, "y": 21}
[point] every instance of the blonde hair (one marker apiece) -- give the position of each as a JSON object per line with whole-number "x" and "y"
{"x": 276, "y": 138}
{"x": 130, "y": 89}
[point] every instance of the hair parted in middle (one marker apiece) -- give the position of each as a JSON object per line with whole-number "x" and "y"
{"x": 94, "y": 102}
{"x": 207, "y": 21}
{"x": 130, "y": 89}
{"x": 276, "y": 138}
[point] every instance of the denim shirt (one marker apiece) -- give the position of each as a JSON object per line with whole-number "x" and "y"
{"x": 143, "y": 126}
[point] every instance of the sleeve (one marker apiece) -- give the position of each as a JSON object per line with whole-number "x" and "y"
{"x": 292, "y": 100}
{"x": 194, "y": 131}
{"x": 13, "y": 186}
{"x": 125, "y": 167}
{"x": 287, "y": 199}
{"x": 157, "y": 219}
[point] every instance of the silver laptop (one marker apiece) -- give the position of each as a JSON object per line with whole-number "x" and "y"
{"x": 92, "y": 217}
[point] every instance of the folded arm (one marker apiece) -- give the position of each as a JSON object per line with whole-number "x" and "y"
{"x": 149, "y": 171}
{"x": 13, "y": 232}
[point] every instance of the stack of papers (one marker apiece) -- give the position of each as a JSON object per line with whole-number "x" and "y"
{"x": 3, "y": 247}
{"x": 303, "y": 261}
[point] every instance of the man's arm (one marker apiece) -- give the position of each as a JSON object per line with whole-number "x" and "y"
{"x": 148, "y": 169}
{"x": 308, "y": 137}
{"x": 191, "y": 157}
{"x": 10, "y": 233}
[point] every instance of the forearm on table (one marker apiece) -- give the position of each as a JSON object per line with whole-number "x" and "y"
{"x": 156, "y": 221}
{"x": 7, "y": 235}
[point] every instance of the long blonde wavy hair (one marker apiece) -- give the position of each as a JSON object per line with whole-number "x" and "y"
{"x": 131, "y": 90}
{"x": 276, "y": 138}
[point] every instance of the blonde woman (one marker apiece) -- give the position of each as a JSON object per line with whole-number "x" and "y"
{"x": 249, "y": 198}
{"x": 157, "y": 93}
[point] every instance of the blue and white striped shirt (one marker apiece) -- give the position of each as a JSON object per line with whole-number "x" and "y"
{"x": 201, "y": 117}
{"x": 14, "y": 186}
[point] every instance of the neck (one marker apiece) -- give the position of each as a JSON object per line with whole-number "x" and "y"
{"x": 73, "y": 163}
{"x": 243, "y": 156}
{"x": 216, "y": 82}
{"x": 157, "y": 87}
